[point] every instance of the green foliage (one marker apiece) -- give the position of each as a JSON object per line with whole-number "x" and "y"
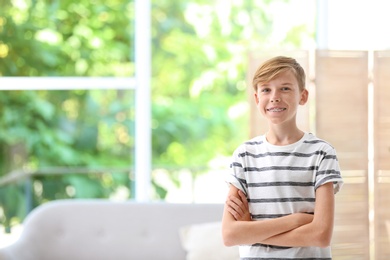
{"x": 198, "y": 89}
{"x": 190, "y": 134}
{"x": 66, "y": 38}
{"x": 65, "y": 128}
{"x": 13, "y": 204}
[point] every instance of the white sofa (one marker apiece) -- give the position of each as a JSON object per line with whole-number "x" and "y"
{"x": 100, "y": 229}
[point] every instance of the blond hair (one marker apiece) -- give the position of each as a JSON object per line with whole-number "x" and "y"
{"x": 270, "y": 69}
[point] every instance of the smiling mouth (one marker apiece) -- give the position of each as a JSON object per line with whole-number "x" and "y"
{"x": 276, "y": 109}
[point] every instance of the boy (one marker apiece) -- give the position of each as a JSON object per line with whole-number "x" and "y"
{"x": 282, "y": 184}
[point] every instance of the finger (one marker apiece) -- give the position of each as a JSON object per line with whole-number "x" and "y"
{"x": 233, "y": 213}
{"x": 242, "y": 195}
{"x": 235, "y": 204}
{"x": 235, "y": 200}
{"x": 243, "y": 199}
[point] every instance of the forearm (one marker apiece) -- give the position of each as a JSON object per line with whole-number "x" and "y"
{"x": 251, "y": 232}
{"x": 311, "y": 234}
{"x": 316, "y": 233}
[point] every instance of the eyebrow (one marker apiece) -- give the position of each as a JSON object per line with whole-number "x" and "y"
{"x": 283, "y": 84}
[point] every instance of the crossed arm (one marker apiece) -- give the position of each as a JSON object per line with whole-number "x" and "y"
{"x": 295, "y": 230}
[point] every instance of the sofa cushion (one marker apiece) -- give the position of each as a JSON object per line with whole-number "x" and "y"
{"x": 204, "y": 241}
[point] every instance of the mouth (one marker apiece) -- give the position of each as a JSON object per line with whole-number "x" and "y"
{"x": 276, "y": 109}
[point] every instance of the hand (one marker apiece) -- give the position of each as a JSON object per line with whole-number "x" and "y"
{"x": 238, "y": 207}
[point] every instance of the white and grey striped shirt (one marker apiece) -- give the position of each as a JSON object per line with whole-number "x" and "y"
{"x": 281, "y": 180}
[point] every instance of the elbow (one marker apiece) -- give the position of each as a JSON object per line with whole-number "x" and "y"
{"x": 323, "y": 243}
{"x": 228, "y": 243}
{"x": 229, "y": 236}
{"x": 323, "y": 239}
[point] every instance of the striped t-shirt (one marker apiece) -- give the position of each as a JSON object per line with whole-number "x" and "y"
{"x": 281, "y": 180}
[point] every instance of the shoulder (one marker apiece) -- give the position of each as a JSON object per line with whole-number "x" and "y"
{"x": 251, "y": 144}
{"x": 317, "y": 143}
{"x": 258, "y": 140}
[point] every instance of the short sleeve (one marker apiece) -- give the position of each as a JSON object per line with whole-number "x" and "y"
{"x": 236, "y": 175}
{"x": 329, "y": 171}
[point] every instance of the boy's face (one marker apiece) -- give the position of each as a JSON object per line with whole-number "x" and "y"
{"x": 278, "y": 99}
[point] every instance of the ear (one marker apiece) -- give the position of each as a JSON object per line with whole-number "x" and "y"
{"x": 304, "y": 97}
{"x": 256, "y": 98}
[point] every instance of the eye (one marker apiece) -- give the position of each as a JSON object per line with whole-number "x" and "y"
{"x": 286, "y": 88}
{"x": 265, "y": 90}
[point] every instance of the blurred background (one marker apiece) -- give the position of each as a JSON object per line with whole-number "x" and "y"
{"x": 69, "y": 105}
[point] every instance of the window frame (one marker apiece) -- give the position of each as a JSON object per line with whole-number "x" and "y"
{"x": 140, "y": 84}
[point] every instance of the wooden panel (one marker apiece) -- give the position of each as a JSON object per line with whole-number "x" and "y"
{"x": 342, "y": 105}
{"x": 258, "y": 125}
{"x": 381, "y": 109}
{"x": 351, "y": 229}
{"x": 382, "y": 216}
{"x": 341, "y": 86}
{"x": 382, "y": 153}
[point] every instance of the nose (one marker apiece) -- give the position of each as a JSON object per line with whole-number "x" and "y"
{"x": 275, "y": 96}
{"x": 275, "y": 99}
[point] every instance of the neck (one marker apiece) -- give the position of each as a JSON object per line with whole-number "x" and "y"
{"x": 280, "y": 136}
